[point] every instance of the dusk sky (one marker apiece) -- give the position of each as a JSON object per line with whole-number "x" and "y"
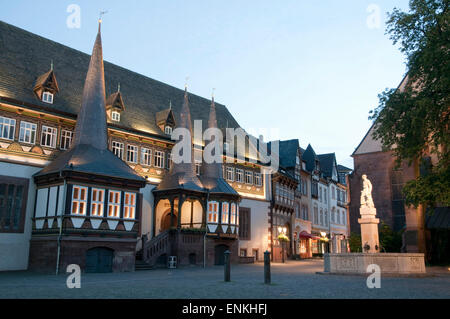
{"x": 311, "y": 69}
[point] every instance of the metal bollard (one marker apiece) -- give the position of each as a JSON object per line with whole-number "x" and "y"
{"x": 227, "y": 268}
{"x": 267, "y": 268}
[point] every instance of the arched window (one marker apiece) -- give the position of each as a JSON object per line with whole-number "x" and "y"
{"x": 225, "y": 213}
{"x": 213, "y": 212}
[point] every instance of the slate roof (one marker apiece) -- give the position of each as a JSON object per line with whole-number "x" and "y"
{"x": 342, "y": 168}
{"x": 25, "y": 56}
{"x": 288, "y": 153}
{"x": 309, "y": 155}
{"x": 326, "y": 164}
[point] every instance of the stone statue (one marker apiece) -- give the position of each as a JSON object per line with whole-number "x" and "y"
{"x": 366, "y": 193}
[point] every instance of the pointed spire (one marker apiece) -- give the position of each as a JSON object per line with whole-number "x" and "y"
{"x": 118, "y": 87}
{"x": 213, "y": 170}
{"x": 51, "y": 65}
{"x": 91, "y": 126}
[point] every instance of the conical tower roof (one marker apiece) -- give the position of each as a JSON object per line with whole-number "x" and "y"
{"x": 212, "y": 177}
{"x": 182, "y": 175}
{"x": 89, "y": 151}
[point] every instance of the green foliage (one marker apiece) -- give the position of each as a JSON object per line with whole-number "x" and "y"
{"x": 354, "y": 242}
{"x": 414, "y": 121}
{"x": 390, "y": 241}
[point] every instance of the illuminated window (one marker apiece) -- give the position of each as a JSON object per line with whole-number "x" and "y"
{"x": 79, "y": 200}
{"x": 225, "y": 213}
{"x": 146, "y": 156}
{"x": 115, "y": 116}
{"x": 213, "y": 211}
{"x": 47, "y": 97}
{"x": 48, "y": 136}
{"x": 7, "y": 128}
{"x": 129, "y": 206}
{"x": 132, "y": 153}
{"x": 97, "y": 201}
{"x": 66, "y": 139}
{"x": 117, "y": 149}
{"x": 234, "y": 214}
{"x": 159, "y": 159}
{"x": 27, "y": 132}
{"x": 114, "y": 204}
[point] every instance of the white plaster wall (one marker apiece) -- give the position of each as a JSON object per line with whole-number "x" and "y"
{"x": 14, "y": 248}
{"x": 147, "y": 210}
{"x": 259, "y": 227}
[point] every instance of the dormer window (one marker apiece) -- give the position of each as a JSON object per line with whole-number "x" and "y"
{"x": 168, "y": 130}
{"x": 115, "y": 116}
{"x": 47, "y": 97}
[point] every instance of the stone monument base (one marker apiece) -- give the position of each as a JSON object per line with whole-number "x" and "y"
{"x": 389, "y": 263}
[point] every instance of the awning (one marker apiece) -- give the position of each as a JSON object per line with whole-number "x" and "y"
{"x": 306, "y": 235}
{"x": 439, "y": 219}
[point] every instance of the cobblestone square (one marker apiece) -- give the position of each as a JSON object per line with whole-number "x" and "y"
{"x": 295, "y": 279}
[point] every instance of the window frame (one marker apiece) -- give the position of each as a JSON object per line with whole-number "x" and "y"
{"x": 134, "y": 151}
{"x": 230, "y": 170}
{"x": 97, "y": 202}
{"x": 63, "y": 139}
{"x": 45, "y": 97}
{"x": 16, "y": 181}
{"x": 115, "y": 116}
{"x": 146, "y": 152}
{"x": 115, "y": 205}
{"x": 239, "y": 173}
{"x": 130, "y": 206}
{"x": 9, "y": 125}
{"x": 159, "y": 155}
{"x": 118, "y": 146}
{"x": 248, "y": 177}
{"x": 213, "y": 214}
{"x": 49, "y": 132}
{"x": 32, "y": 131}
{"x": 79, "y": 200}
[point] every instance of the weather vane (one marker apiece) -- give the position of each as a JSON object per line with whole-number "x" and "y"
{"x": 186, "y": 83}
{"x": 101, "y": 15}
{"x": 213, "y": 90}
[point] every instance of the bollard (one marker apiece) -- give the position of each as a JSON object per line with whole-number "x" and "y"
{"x": 227, "y": 266}
{"x": 267, "y": 268}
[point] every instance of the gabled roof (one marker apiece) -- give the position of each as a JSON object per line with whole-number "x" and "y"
{"x": 327, "y": 162}
{"x": 342, "y": 168}
{"x": 115, "y": 100}
{"x": 309, "y": 155}
{"x": 288, "y": 153}
{"x": 22, "y": 62}
{"x": 47, "y": 80}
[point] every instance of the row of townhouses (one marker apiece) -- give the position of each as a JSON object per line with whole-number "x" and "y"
{"x": 87, "y": 174}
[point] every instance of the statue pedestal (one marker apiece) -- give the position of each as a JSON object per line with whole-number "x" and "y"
{"x": 369, "y": 230}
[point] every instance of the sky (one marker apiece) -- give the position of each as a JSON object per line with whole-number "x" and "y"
{"x": 310, "y": 70}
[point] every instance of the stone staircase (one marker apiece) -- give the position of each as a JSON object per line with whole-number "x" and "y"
{"x": 152, "y": 250}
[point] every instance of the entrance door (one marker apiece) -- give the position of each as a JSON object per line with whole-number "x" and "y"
{"x": 219, "y": 254}
{"x": 165, "y": 222}
{"x": 99, "y": 260}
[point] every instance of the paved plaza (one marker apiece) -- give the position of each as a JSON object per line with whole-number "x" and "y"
{"x": 295, "y": 279}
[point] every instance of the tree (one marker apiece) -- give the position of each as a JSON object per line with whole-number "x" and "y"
{"x": 390, "y": 241}
{"x": 413, "y": 121}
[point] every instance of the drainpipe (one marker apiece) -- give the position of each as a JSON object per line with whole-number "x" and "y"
{"x": 60, "y": 226}
{"x": 204, "y": 236}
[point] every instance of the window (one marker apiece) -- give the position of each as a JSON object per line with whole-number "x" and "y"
{"x": 314, "y": 189}
{"x": 304, "y": 187}
{"x": 326, "y": 217}
{"x": 248, "y": 177}
{"x": 230, "y": 174}
{"x": 27, "y": 132}
{"x": 320, "y": 194}
{"x": 198, "y": 167}
{"x": 48, "y": 136}
{"x": 243, "y": 252}
{"x": 321, "y": 217}
{"x": 258, "y": 181}
{"x": 159, "y": 159}
{"x": 316, "y": 216}
{"x": 66, "y": 139}
{"x": 245, "y": 224}
{"x": 333, "y": 192}
{"x": 325, "y": 195}
{"x": 234, "y": 214}
{"x": 333, "y": 217}
{"x": 146, "y": 156}
{"x": 239, "y": 175}
{"x": 338, "y": 220}
{"x": 13, "y": 201}
{"x": 169, "y": 160}
{"x": 343, "y": 217}
{"x": 115, "y": 116}
{"x": 7, "y": 128}
{"x": 225, "y": 213}
{"x": 79, "y": 200}
{"x": 305, "y": 213}
{"x": 132, "y": 153}
{"x": 117, "y": 149}
{"x": 97, "y": 201}
{"x": 213, "y": 211}
{"x": 168, "y": 130}
{"x": 129, "y": 206}
{"x": 47, "y": 97}
{"x": 114, "y": 204}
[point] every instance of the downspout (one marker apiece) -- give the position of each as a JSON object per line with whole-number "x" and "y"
{"x": 61, "y": 226}
{"x": 206, "y": 227}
